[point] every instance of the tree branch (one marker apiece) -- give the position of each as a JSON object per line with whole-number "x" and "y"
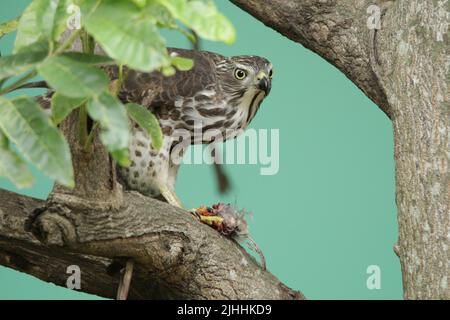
{"x": 176, "y": 256}
{"x": 335, "y": 29}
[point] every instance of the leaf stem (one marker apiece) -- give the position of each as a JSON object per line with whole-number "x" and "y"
{"x": 68, "y": 43}
{"x": 87, "y": 41}
{"x": 83, "y": 133}
{"x": 91, "y": 136}
{"x": 116, "y": 85}
{"x": 86, "y": 138}
{"x": 115, "y": 89}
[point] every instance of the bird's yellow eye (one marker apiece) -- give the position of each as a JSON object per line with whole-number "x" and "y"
{"x": 270, "y": 73}
{"x": 240, "y": 74}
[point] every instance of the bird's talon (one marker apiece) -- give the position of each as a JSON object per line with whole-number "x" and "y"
{"x": 206, "y": 217}
{"x": 193, "y": 211}
{"x": 170, "y": 196}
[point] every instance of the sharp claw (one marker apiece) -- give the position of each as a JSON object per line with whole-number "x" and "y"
{"x": 194, "y": 212}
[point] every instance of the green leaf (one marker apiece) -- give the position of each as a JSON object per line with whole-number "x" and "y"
{"x": 93, "y": 59}
{"x": 168, "y": 71}
{"x": 122, "y": 157}
{"x": 41, "y": 20}
{"x": 39, "y": 46}
{"x": 12, "y": 166}
{"x": 147, "y": 121}
{"x": 62, "y": 106}
{"x": 72, "y": 78}
{"x": 8, "y": 27}
{"x": 51, "y": 17}
{"x": 159, "y": 14}
{"x": 203, "y": 17}
{"x": 140, "y": 3}
{"x": 19, "y": 63}
{"x": 39, "y": 141}
{"x": 182, "y": 64}
{"x": 125, "y": 34}
{"x": 112, "y": 116}
{"x": 28, "y": 31}
{"x": 60, "y": 18}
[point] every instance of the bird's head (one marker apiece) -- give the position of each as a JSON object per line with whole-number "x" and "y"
{"x": 241, "y": 76}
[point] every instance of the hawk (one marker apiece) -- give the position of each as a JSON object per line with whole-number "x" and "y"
{"x": 219, "y": 94}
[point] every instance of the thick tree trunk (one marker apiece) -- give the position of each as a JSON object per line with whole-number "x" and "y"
{"x": 404, "y": 68}
{"x": 416, "y": 82}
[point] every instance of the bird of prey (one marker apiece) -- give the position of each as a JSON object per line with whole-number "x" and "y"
{"x": 219, "y": 94}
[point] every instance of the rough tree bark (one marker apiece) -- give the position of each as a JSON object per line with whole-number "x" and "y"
{"x": 404, "y": 68}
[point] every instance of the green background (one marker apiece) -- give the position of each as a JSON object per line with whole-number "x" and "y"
{"x": 330, "y": 211}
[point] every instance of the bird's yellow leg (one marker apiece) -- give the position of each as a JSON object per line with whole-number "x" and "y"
{"x": 170, "y": 196}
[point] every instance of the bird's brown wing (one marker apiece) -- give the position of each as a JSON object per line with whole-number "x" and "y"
{"x": 158, "y": 93}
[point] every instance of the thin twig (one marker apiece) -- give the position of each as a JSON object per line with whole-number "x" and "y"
{"x": 125, "y": 280}
{"x": 258, "y": 250}
{"x": 68, "y": 43}
{"x": 91, "y": 136}
{"x": 195, "y": 41}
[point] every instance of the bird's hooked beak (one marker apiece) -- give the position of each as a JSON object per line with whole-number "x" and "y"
{"x": 264, "y": 83}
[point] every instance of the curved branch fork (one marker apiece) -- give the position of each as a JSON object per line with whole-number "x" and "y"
{"x": 176, "y": 256}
